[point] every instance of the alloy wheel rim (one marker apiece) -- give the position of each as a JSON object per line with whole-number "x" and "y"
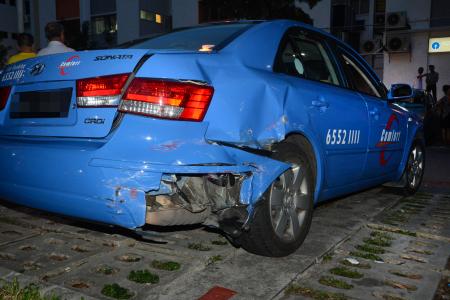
{"x": 289, "y": 202}
{"x": 415, "y": 167}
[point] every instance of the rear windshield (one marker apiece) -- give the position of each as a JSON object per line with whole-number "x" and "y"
{"x": 202, "y": 38}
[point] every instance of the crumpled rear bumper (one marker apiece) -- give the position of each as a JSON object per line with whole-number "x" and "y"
{"x": 107, "y": 180}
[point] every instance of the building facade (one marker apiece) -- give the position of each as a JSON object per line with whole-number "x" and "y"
{"x": 392, "y": 35}
{"x": 91, "y": 24}
{"x": 104, "y": 23}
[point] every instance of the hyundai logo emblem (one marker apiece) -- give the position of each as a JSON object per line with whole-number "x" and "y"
{"x": 37, "y": 69}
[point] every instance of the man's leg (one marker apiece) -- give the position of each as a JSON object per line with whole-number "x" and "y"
{"x": 433, "y": 88}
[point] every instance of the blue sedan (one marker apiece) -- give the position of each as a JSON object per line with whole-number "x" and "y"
{"x": 243, "y": 126}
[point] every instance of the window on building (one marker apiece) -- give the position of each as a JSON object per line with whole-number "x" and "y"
{"x": 3, "y": 35}
{"x": 440, "y": 13}
{"x": 150, "y": 16}
{"x": 380, "y": 6}
{"x": 2, "y": 1}
{"x": 12, "y": 2}
{"x": 338, "y": 16}
{"x": 158, "y": 18}
{"x": 104, "y": 24}
{"x": 360, "y": 6}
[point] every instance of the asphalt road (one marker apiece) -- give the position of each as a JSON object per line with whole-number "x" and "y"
{"x": 74, "y": 259}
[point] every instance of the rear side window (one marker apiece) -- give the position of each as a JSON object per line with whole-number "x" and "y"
{"x": 201, "y": 38}
{"x": 358, "y": 78}
{"x": 303, "y": 55}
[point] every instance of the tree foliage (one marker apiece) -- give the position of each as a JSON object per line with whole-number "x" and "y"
{"x": 257, "y": 9}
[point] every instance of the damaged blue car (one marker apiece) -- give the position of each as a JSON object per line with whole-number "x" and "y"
{"x": 243, "y": 126}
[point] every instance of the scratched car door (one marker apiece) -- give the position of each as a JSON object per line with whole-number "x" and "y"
{"x": 337, "y": 115}
{"x": 387, "y": 121}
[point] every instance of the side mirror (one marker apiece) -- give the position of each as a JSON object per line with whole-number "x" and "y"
{"x": 400, "y": 91}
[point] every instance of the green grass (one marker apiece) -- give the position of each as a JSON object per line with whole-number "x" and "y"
{"x": 346, "y": 272}
{"x": 219, "y": 242}
{"x": 116, "y": 291}
{"x": 377, "y": 241}
{"x": 327, "y": 257}
{"x": 360, "y": 265}
{"x": 166, "y": 265}
{"x": 143, "y": 276}
{"x": 369, "y": 256}
{"x": 295, "y": 289}
{"x": 370, "y": 249}
{"x": 404, "y": 232}
{"x": 199, "y": 247}
{"x": 415, "y": 205}
{"x": 334, "y": 282}
{"x": 381, "y": 235}
{"x": 129, "y": 258}
{"x": 214, "y": 259}
{"x": 392, "y": 297}
{"x": 421, "y": 251}
{"x": 13, "y": 291}
{"x": 106, "y": 270}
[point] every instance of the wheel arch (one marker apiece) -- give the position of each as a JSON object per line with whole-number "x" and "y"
{"x": 417, "y": 134}
{"x": 305, "y": 139}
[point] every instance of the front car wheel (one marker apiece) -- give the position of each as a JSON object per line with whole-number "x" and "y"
{"x": 283, "y": 216}
{"x": 414, "y": 169}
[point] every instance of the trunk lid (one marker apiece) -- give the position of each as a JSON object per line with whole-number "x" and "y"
{"x": 43, "y": 102}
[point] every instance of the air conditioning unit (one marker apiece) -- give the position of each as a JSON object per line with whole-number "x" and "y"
{"x": 398, "y": 43}
{"x": 396, "y": 20}
{"x": 370, "y": 46}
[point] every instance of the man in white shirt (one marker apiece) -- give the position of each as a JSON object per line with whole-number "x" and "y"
{"x": 55, "y": 34}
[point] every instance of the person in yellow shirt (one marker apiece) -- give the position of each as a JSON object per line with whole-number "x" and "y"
{"x": 25, "y": 44}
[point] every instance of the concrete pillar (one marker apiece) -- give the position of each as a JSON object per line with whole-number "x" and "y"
{"x": 19, "y": 6}
{"x": 85, "y": 11}
{"x": 47, "y": 13}
{"x": 34, "y": 15}
{"x": 127, "y": 20}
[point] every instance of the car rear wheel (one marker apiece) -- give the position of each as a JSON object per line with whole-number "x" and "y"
{"x": 283, "y": 216}
{"x": 414, "y": 169}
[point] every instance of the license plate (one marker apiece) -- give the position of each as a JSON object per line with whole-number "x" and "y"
{"x": 41, "y": 104}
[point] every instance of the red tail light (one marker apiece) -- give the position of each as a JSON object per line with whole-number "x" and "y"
{"x": 167, "y": 99}
{"x": 100, "y": 91}
{"x": 4, "y": 95}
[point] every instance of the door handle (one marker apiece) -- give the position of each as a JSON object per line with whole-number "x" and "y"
{"x": 374, "y": 112}
{"x": 320, "y": 103}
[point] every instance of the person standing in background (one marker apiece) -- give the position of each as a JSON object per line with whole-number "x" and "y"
{"x": 443, "y": 108}
{"x": 54, "y": 32}
{"x": 418, "y": 82}
{"x": 431, "y": 80}
{"x": 25, "y": 43}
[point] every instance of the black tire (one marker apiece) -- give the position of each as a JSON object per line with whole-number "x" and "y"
{"x": 261, "y": 238}
{"x": 414, "y": 169}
